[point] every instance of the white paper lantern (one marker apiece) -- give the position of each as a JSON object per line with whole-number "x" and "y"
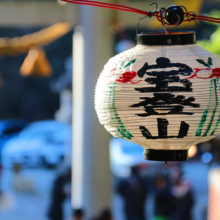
{"x": 162, "y": 94}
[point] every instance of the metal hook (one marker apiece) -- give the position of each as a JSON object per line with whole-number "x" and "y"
{"x": 187, "y": 16}
{"x": 150, "y": 15}
{"x": 193, "y": 14}
{"x": 190, "y": 16}
{"x": 154, "y": 3}
{"x": 138, "y": 24}
{"x": 163, "y": 23}
{"x": 193, "y": 18}
{"x": 165, "y": 165}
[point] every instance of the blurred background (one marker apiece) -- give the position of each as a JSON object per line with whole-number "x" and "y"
{"x": 110, "y": 179}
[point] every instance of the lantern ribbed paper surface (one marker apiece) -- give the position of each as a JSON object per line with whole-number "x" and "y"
{"x": 161, "y": 97}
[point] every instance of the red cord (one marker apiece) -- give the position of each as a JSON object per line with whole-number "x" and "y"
{"x": 110, "y": 6}
{"x": 134, "y": 10}
{"x": 107, "y": 5}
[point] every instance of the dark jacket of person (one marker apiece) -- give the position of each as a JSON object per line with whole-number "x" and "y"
{"x": 58, "y": 196}
{"x": 134, "y": 191}
{"x": 182, "y": 207}
{"x": 104, "y": 215}
{"x": 162, "y": 202}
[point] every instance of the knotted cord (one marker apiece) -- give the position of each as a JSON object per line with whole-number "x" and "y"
{"x": 189, "y": 16}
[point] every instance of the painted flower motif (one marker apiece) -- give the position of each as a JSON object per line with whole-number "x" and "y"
{"x": 127, "y": 76}
{"x": 215, "y": 72}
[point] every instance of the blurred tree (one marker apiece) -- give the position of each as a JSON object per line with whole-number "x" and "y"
{"x": 213, "y": 44}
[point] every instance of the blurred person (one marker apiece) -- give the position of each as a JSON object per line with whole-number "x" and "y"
{"x": 7, "y": 200}
{"x": 0, "y": 174}
{"x": 21, "y": 183}
{"x": 134, "y": 192}
{"x": 58, "y": 195}
{"x": 0, "y": 167}
{"x": 162, "y": 199}
{"x": 181, "y": 197}
{"x": 104, "y": 215}
{"x": 78, "y": 214}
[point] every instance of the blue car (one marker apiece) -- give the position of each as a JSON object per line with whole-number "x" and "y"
{"x": 123, "y": 155}
{"x": 10, "y": 128}
{"x": 40, "y": 143}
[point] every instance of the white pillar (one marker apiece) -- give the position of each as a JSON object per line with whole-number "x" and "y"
{"x": 91, "y": 172}
{"x": 214, "y": 194}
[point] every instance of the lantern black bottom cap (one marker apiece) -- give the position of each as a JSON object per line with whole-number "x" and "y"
{"x": 165, "y": 155}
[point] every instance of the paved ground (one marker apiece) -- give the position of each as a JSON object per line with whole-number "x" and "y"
{"x": 26, "y": 206}
{"x": 29, "y": 205}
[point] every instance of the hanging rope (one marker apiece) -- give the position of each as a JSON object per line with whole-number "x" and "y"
{"x": 188, "y": 16}
{"x": 110, "y": 6}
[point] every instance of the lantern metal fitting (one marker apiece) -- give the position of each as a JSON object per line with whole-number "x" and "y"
{"x": 174, "y": 15}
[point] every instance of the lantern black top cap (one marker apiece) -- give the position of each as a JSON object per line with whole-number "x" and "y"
{"x": 163, "y": 39}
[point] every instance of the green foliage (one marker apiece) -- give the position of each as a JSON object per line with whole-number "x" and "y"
{"x": 212, "y": 45}
{"x": 214, "y": 14}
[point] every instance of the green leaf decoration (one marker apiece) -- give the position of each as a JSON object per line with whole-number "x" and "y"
{"x": 122, "y": 63}
{"x": 129, "y": 64}
{"x": 203, "y": 62}
{"x": 210, "y": 61}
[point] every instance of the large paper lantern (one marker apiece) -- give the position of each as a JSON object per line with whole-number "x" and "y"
{"x": 162, "y": 94}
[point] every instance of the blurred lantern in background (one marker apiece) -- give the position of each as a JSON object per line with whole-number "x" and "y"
{"x": 36, "y": 64}
{"x": 162, "y": 94}
{"x": 192, "y": 151}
